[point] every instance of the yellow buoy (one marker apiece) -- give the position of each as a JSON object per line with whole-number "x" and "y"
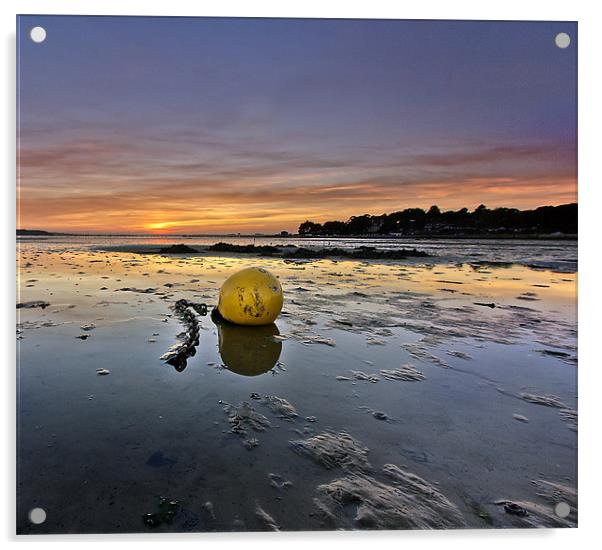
{"x": 252, "y": 296}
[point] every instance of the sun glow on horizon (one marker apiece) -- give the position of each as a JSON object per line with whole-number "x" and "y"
{"x": 276, "y": 210}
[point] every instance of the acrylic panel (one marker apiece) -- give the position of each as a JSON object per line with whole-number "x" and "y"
{"x": 295, "y": 274}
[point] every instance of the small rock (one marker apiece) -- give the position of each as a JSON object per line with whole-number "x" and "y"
{"x": 515, "y": 509}
{"x": 33, "y": 304}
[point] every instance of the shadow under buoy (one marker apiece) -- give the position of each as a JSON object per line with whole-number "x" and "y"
{"x": 247, "y": 350}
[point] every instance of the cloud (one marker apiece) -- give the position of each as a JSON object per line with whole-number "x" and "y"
{"x": 207, "y": 184}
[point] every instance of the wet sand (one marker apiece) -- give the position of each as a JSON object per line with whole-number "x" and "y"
{"x": 417, "y": 393}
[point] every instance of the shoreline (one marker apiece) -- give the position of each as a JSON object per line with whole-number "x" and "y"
{"x": 420, "y": 236}
{"x": 293, "y": 253}
{"x": 284, "y": 252}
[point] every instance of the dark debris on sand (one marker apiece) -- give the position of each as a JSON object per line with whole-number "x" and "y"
{"x": 535, "y": 514}
{"x": 178, "y": 249}
{"x": 33, "y": 304}
{"x": 295, "y": 252}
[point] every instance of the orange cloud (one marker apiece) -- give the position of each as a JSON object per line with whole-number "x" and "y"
{"x": 104, "y": 186}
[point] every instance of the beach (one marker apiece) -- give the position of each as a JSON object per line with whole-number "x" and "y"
{"x": 435, "y": 391}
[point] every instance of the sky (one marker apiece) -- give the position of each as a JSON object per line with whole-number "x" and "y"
{"x": 218, "y": 125}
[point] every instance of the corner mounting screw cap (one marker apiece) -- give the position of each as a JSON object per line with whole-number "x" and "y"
{"x": 37, "y": 516}
{"x": 37, "y": 34}
{"x": 562, "y": 510}
{"x": 562, "y": 40}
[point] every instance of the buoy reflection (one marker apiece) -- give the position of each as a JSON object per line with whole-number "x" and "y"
{"x": 248, "y": 350}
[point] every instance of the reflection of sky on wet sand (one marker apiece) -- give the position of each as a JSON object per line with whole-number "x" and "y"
{"x": 453, "y": 281}
{"x": 455, "y": 427}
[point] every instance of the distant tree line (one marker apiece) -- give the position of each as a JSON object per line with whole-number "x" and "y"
{"x": 416, "y": 221}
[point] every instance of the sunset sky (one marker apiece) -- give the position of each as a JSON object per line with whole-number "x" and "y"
{"x": 186, "y": 125}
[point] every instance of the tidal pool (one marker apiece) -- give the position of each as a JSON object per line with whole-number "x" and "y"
{"x": 428, "y": 393}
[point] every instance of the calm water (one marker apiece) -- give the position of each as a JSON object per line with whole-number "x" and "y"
{"x": 98, "y": 452}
